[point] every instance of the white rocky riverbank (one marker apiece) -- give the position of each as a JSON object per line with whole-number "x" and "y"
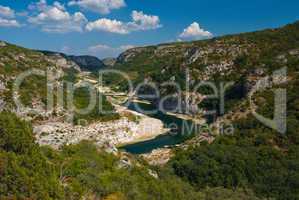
{"x": 109, "y": 134}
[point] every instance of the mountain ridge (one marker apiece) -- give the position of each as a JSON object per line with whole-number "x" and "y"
{"x": 85, "y": 62}
{"x": 210, "y": 39}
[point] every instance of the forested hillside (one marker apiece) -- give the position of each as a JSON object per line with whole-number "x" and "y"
{"x": 242, "y": 59}
{"x": 84, "y": 172}
{"x": 255, "y": 156}
{"x": 15, "y": 61}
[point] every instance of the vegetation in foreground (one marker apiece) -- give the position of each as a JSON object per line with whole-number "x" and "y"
{"x": 255, "y": 157}
{"x": 83, "y": 171}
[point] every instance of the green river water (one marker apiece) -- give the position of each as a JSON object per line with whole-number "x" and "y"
{"x": 181, "y": 131}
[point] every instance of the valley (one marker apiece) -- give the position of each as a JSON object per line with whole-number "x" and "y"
{"x": 203, "y": 142}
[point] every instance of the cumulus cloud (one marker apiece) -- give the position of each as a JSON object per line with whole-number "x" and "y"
{"x": 140, "y": 22}
{"x": 105, "y": 51}
{"x": 194, "y": 31}
{"x": 7, "y": 17}
{"x": 56, "y": 19}
{"x": 6, "y": 12}
{"x": 108, "y": 25}
{"x": 9, "y": 23}
{"x": 39, "y": 6}
{"x": 99, "y": 6}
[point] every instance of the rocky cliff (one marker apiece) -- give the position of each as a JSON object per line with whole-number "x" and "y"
{"x": 110, "y": 62}
{"x": 88, "y": 63}
{"x": 85, "y": 63}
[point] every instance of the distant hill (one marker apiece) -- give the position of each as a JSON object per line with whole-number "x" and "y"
{"x": 109, "y": 62}
{"x": 85, "y": 62}
{"x": 89, "y": 63}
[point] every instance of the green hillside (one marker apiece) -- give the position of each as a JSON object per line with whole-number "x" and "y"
{"x": 238, "y": 58}
{"x": 84, "y": 172}
{"x": 244, "y": 52}
{"x": 15, "y": 60}
{"x": 255, "y": 157}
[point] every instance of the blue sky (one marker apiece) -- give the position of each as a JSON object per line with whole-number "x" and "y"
{"x": 105, "y": 28}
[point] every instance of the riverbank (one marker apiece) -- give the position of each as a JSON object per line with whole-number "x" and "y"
{"x": 147, "y": 138}
{"x": 111, "y": 134}
{"x": 149, "y": 128}
{"x": 187, "y": 117}
{"x": 141, "y": 101}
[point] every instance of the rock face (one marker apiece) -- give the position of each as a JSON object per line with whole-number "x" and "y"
{"x": 89, "y": 63}
{"x": 129, "y": 54}
{"x": 193, "y": 54}
{"x": 110, "y": 62}
{"x": 61, "y": 60}
{"x": 2, "y": 44}
{"x": 158, "y": 157}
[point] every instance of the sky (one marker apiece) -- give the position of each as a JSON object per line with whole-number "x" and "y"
{"x": 105, "y": 28}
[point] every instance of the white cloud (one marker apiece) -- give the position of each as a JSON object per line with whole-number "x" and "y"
{"x": 99, "y": 6}
{"x": 9, "y": 23}
{"x": 108, "y": 25}
{"x": 56, "y": 19}
{"x": 105, "y": 51}
{"x": 6, "y": 12}
{"x": 7, "y": 17}
{"x": 140, "y": 21}
{"x": 194, "y": 31}
{"x": 38, "y": 6}
{"x": 59, "y": 5}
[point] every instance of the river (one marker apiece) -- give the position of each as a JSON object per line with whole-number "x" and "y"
{"x": 180, "y": 131}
